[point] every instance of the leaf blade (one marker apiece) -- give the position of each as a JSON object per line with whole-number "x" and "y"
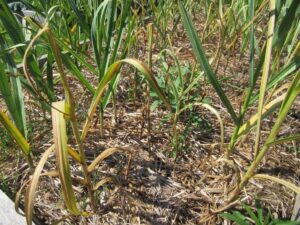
{"x": 61, "y": 151}
{"x": 199, "y": 52}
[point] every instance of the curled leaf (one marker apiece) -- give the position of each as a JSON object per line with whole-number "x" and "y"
{"x": 106, "y": 153}
{"x": 279, "y": 181}
{"x": 101, "y": 183}
{"x": 31, "y": 189}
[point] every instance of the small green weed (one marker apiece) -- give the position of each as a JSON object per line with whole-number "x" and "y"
{"x": 259, "y": 216}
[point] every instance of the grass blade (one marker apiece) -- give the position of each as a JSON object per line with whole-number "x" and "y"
{"x": 286, "y": 24}
{"x": 106, "y": 153}
{"x": 31, "y": 189}
{"x": 15, "y": 133}
{"x": 80, "y": 17}
{"x": 267, "y": 110}
{"x": 61, "y": 151}
{"x": 101, "y": 183}
{"x": 12, "y": 100}
{"x": 98, "y": 34}
{"x": 265, "y": 75}
{"x": 67, "y": 61}
{"x": 289, "y": 99}
{"x": 199, "y": 52}
{"x": 13, "y": 93}
{"x": 110, "y": 27}
{"x": 252, "y": 47}
{"x": 285, "y": 139}
{"x": 284, "y": 73}
{"x": 74, "y": 154}
{"x": 279, "y": 181}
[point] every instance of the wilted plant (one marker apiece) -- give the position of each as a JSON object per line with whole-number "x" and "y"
{"x": 285, "y": 33}
{"x": 65, "y": 111}
{"x": 109, "y": 26}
